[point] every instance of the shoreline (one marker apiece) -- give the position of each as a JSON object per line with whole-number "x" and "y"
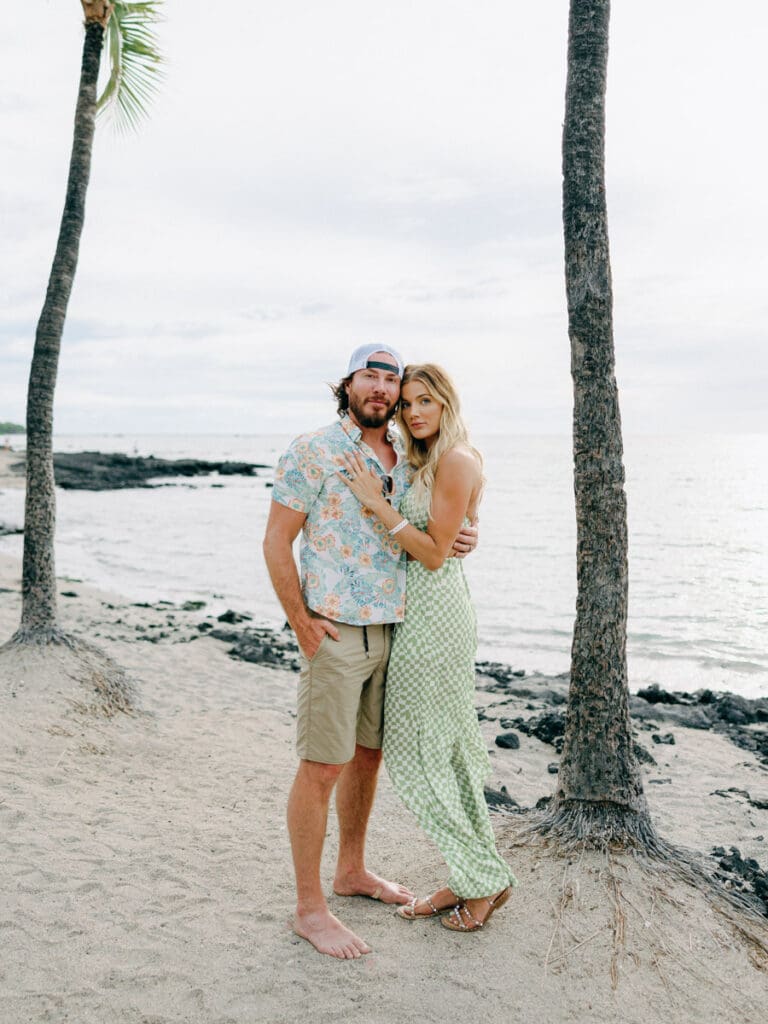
{"x": 149, "y": 875}
{"x": 526, "y": 626}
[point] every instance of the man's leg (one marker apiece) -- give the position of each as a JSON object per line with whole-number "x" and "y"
{"x": 354, "y": 799}
{"x": 307, "y": 819}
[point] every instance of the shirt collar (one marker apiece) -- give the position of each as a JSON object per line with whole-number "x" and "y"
{"x": 354, "y": 433}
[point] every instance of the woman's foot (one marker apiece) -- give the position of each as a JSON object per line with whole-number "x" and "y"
{"x": 472, "y": 915}
{"x": 430, "y": 906}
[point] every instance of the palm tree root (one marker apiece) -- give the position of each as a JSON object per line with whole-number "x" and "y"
{"x": 104, "y": 688}
{"x": 598, "y": 825}
{"x": 574, "y": 826}
{"x": 41, "y": 636}
{"x": 639, "y": 911}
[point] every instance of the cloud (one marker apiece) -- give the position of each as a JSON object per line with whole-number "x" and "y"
{"x": 347, "y": 173}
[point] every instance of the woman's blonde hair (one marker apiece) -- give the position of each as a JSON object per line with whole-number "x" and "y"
{"x": 453, "y": 430}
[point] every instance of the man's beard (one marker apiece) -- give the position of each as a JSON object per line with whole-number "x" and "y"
{"x": 374, "y": 419}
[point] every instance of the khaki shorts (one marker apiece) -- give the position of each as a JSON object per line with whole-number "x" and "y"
{"x": 341, "y": 694}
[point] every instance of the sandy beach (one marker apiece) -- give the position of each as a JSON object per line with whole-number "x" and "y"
{"x": 147, "y": 879}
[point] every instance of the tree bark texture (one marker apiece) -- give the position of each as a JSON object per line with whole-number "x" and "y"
{"x": 38, "y": 618}
{"x": 598, "y": 763}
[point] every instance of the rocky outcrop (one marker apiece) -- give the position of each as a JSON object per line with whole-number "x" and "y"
{"x": 742, "y": 874}
{"x": 101, "y": 471}
{"x": 260, "y": 646}
{"x": 744, "y": 721}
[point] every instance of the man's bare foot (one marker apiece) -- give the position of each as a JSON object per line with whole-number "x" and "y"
{"x": 366, "y": 883}
{"x": 328, "y": 935}
{"x": 429, "y": 906}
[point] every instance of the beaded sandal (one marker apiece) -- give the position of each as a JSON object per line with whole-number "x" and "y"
{"x": 455, "y": 922}
{"x": 408, "y": 910}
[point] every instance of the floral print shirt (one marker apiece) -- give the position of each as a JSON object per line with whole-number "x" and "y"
{"x": 351, "y": 569}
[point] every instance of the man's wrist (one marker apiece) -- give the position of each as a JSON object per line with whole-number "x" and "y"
{"x": 300, "y": 620}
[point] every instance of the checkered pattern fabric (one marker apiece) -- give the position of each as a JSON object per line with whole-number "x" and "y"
{"x": 433, "y": 748}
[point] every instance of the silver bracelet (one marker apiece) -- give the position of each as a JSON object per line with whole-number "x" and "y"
{"x": 401, "y": 525}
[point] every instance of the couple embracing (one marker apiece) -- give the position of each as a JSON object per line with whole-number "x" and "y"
{"x": 383, "y": 514}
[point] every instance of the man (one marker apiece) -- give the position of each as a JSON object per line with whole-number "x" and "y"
{"x": 352, "y": 589}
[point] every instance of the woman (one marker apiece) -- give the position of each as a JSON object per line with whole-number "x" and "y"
{"x": 433, "y": 748}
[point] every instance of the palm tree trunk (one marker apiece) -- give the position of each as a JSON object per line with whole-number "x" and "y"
{"x": 38, "y": 617}
{"x": 599, "y": 795}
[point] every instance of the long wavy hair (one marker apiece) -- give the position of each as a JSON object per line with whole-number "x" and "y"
{"x": 453, "y": 430}
{"x": 339, "y": 392}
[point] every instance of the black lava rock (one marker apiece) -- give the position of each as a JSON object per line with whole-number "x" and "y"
{"x": 655, "y": 695}
{"x": 690, "y": 716}
{"x": 233, "y": 617}
{"x": 735, "y": 710}
{"x": 508, "y": 741}
{"x": 704, "y": 696}
{"x": 497, "y": 670}
{"x": 550, "y": 726}
{"x": 261, "y": 646}
{"x": 229, "y": 636}
{"x": 643, "y": 756}
{"x": 500, "y": 800}
{"x": 104, "y": 471}
{"x": 743, "y": 874}
{"x": 504, "y": 675}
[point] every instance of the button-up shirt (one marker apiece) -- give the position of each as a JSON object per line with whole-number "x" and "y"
{"x": 351, "y": 569}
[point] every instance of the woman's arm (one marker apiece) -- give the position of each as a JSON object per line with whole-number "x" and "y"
{"x": 455, "y": 481}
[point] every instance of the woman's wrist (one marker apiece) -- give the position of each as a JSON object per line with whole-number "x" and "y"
{"x": 401, "y": 525}
{"x": 380, "y": 507}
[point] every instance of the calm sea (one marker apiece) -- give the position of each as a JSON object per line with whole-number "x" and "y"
{"x": 698, "y": 518}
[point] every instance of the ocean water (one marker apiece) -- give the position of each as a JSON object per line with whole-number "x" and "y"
{"x": 698, "y": 522}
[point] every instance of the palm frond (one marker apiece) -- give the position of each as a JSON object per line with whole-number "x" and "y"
{"x": 135, "y": 62}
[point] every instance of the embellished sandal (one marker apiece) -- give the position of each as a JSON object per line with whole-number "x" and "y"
{"x": 408, "y": 910}
{"x": 461, "y": 918}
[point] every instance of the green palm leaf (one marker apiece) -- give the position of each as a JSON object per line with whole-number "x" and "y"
{"x": 135, "y": 62}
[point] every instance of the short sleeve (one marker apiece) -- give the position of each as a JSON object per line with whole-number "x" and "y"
{"x": 299, "y": 477}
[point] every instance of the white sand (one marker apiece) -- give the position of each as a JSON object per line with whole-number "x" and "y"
{"x": 146, "y": 874}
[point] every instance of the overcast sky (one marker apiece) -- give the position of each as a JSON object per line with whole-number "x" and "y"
{"x": 315, "y": 176}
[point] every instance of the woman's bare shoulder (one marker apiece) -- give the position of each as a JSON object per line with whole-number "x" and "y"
{"x": 460, "y": 459}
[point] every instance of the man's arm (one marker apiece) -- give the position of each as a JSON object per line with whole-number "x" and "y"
{"x": 283, "y": 527}
{"x": 466, "y": 540}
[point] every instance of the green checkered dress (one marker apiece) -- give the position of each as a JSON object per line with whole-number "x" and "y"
{"x": 433, "y": 749}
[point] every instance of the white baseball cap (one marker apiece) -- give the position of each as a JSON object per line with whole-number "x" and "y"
{"x": 361, "y": 358}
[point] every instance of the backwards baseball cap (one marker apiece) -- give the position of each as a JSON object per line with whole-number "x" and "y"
{"x": 361, "y": 359}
